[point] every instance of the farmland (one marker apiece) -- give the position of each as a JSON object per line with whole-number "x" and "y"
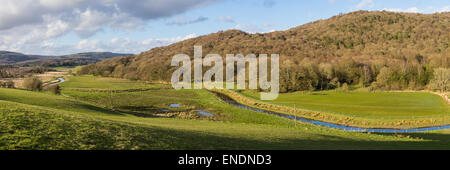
{"x": 100, "y": 120}
{"x": 366, "y": 104}
{"x": 360, "y": 109}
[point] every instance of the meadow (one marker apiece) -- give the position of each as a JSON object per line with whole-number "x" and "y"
{"x": 88, "y": 120}
{"x": 391, "y": 110}
{"x": 95, "y": 82}
{"x": 365, "y": 104}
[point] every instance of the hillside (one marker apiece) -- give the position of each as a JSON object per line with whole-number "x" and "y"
{"x": 13, "y": 58}
{"x": 348, "y": 49}
{"x": 95, "y": 55}
{"x": 7, "y": 57}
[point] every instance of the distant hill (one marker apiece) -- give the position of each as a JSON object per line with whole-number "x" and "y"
{"x": 396, "y": 50}
{"x": 14, "y": 58}
{"x": 7, "y": 57}
{"x": 95, "y": 55}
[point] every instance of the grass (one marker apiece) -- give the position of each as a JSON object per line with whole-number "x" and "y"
{"x": 33, "y": 120}
{"x": 387, "y": 121}
{"x": 366, "y": 104}
{"x": 95, "y": 82}
{"x": 64, "y": 68}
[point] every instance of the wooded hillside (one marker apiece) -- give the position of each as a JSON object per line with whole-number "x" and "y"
{"x": 381, "y": 50}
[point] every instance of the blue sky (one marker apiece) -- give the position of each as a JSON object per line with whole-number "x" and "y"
{"x": 56, "y": 27}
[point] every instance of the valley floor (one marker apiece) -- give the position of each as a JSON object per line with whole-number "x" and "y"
{"x": 94, "y": 113}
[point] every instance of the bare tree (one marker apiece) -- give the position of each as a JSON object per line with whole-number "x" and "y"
{"x": 441, "y": 80}
{"x": 33, "y": 83}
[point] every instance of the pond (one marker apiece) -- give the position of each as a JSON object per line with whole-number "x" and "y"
{"x": 174, "y": 105}
{"x": 204, "y": 113}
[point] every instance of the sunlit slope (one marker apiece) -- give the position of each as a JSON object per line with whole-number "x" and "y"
{"x": 367, "y": 37}
{"x": 33, "y": 120}
{"x": 36, "y": 127}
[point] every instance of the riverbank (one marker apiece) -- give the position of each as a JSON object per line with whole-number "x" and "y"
{"x": 343, "y": 119}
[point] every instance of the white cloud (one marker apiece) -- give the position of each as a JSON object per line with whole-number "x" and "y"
{"x": 184, "y": 21}
{"x": 26, "y": 24}
{"x": 165, "y": 41}
{"x": 89, "y": 45}
{"x": 429, "y": 9}
{"x": 58, "y": 4}
{"x": 117, "y": 44}
{"x": 90, "y": 22}
{"x": 225, "y": 19}
{"x": 251, "y": 28}
{"x": 364, "y": 4}
{"x": 12, "y": 13}
{"x": 409, "y": 10}
{"x": 445, "y": 9}
{"x": 268, "y": 24}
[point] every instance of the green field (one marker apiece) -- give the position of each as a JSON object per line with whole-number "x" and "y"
{"x": 392, "y": 110}
{"x": 94, "y": 82}
{"x": 85, "y": 120}
{"x": 365, "y": 104}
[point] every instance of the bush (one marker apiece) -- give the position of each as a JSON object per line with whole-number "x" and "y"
{"x": 344, "y": 88}
{"x": 7, "y": 84}
{"x": 54, "y": 89}
{"x": 33, "y": 84}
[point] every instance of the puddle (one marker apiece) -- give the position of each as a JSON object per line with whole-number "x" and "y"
{"x": 332, "y": 125}
{"x": 174, "y": 105}
{"x": 204, "y": 113}
{"x": 61, "y": 80}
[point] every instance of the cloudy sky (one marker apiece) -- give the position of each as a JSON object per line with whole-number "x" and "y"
{"x": 57, "y": 27}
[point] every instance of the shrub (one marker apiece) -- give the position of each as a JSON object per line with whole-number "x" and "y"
{"x": 54, "y": 89}
{"x": 33, "y": 83}
{"x": 344, "y": 88}
{"x": 7, "y": 84}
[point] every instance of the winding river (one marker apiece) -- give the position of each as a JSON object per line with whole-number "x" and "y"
{"x": 228, "y": 100}
{"x": 61, "y": 80}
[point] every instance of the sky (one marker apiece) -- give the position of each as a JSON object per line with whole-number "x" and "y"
{"x": 59, "y": 27}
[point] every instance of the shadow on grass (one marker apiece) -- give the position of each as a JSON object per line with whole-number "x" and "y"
{"x": 96, "y": 109}
{"x": 204, "y": 141}
{"x": 444, "y": 138}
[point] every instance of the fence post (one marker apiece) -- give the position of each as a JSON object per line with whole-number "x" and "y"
{"x": 295, "y": 116}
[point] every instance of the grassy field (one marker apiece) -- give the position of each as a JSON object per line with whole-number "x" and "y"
{"x": 94, "y": 82}
{"x": 337, "y": 107}
{"x": 84, "y": 120}
{"x": 365, "y": 104}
